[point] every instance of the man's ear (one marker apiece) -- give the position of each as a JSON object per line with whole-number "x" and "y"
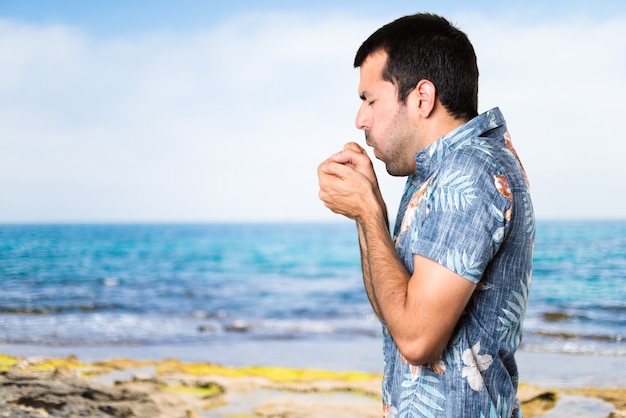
{"x": 422, "y": 98}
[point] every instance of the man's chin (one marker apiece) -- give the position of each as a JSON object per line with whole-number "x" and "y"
{"x": 395, "y": 172}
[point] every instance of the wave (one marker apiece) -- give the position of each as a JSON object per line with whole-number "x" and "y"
{"x": 575, "y": 336}
{"x": 146, "y": 328}
{"x": 574, "y": 343}
{"x": 52, "y": 310}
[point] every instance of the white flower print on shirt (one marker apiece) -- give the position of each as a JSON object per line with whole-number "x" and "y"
{"x": 416, "y": 371}
{"x": 475, "y": 364}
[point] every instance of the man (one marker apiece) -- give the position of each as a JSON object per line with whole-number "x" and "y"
{"x": 451, "y": 286}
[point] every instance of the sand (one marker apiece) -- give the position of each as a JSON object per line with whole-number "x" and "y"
{"x": 33, "y": 387}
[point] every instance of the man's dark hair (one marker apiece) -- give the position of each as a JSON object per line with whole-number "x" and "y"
{"x": 427, "y": 46}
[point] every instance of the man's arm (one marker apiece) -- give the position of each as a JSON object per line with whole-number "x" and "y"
{"x": 421, "y": 310}
{"x": 367, "y": 273}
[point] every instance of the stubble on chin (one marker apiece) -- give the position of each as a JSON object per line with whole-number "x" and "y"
{"x": 389, "y": 162}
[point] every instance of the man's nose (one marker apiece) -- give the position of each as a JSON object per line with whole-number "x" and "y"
{"x": 362, "y": 119}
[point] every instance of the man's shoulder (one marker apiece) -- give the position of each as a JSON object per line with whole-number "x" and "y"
{"x": 474, "y": 157}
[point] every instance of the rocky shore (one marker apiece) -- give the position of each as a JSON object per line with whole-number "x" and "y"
{"x": 66, "y": 387}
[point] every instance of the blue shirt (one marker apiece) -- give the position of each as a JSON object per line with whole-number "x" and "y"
{"x": 467, "y": 208}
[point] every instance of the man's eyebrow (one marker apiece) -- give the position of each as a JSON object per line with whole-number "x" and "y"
{"x": 363, "y": 95}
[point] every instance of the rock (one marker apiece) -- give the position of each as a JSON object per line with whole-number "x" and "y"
{"x": 42, "y": 394}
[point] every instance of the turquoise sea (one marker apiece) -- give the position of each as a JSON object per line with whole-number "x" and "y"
{"x": 216, "y": 285}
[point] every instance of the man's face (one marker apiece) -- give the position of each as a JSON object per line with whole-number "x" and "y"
{"x": 384, "y": 119}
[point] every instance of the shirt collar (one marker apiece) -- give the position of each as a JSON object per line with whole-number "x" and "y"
{"x": 429, "y": 158}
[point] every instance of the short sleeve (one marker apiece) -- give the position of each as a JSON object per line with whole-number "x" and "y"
{"x": 463, "y": 218}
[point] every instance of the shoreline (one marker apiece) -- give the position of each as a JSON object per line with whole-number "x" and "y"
{"x": 355, "y": 354}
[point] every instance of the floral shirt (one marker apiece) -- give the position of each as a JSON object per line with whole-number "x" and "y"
{"x": 468, "y": 208}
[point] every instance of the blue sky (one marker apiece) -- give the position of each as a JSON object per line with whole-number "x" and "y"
{"x": 119, "y": 16}
{"x": 137, "y": 111}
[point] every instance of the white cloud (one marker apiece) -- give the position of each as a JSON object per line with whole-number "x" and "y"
{"x": 224, "y": 124}
{"x": 560, "y": 85}
{"x": 230, "y": 123}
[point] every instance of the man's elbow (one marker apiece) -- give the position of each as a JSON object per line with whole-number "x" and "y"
{"x": 418, "y": 352}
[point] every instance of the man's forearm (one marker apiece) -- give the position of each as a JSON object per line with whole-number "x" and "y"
{"x": 384, "y": 275}
{"x": 367, "y": 272}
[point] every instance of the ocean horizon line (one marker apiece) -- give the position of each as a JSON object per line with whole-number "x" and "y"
{"x": 339, "y": 220}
